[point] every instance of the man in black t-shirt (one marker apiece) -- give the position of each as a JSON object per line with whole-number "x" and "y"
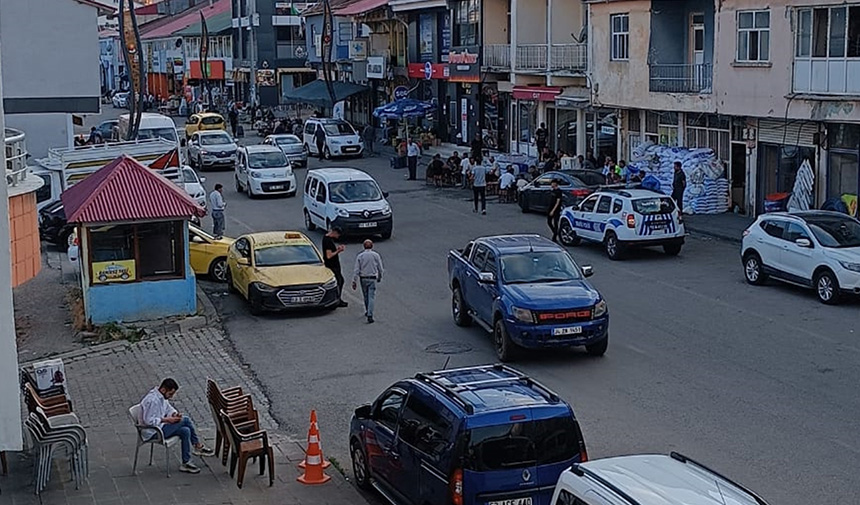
{"x": 555, "y": 206}
{"x": 331, "y": 258}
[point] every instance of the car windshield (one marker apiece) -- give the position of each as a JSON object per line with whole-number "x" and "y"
{"x": 284, "y": 254}
{"x": 544, "y": 266}
{"x": 189, "y": 177}
{"x": 214, "y": 140}
{"x": 152, "y": 133}
{"x": 287, "y": 141}
{"x": 336, "y": 129}
{"x": 837, "y": 232}
{"x": 267, "y": 160}
{"x": 518, "y": 445}
{"x": 354, "y": 191}
{"x": 210, "y": 120}
{"x": 656, "y": 205}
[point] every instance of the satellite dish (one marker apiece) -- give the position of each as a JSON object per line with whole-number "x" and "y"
{"x": 583, "y": 35}
{"x": 178, "y": 43}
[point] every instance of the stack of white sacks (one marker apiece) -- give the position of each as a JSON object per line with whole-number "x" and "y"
{"x": 802, "y": 193}
{"x": 708, "y": 191}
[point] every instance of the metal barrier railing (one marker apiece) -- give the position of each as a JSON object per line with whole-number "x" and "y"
{"x": 16, "y": 156}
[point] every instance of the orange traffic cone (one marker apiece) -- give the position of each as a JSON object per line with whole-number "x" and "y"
{"x": 313, "y": 463}
{"x": 314, "y": 430}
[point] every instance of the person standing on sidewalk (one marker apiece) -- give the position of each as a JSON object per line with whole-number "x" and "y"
{"x": 541, "y": 137}
{"x": 413, "y": 151}
{"x": 156, "y": 411}
{"x": 368, "y": 271}
{"x": 217, "y": 204}
{"x": 555, "y": 205}
{"x": 233, "y": 117}
{"x": 369, "y": 135}
{"x": 319, "y": 138}
{"x": 679, "y": 184}
{"x": 479, "y": 186}
{"x": 331, "y": 253}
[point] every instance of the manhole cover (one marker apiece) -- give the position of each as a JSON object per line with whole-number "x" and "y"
{"x": 448, "y": 348}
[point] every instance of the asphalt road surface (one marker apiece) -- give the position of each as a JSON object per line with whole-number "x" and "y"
{"x": 758, "y": 382}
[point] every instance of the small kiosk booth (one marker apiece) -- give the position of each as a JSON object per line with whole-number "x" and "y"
{"x": 133, "y": 234}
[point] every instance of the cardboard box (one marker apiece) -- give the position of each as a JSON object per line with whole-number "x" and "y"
{"x": 49, "y": 373}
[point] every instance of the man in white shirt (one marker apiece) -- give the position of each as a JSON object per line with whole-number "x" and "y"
{"x": 217, "y": 204}
{"x": 156, "y": 411}
{"x": 465, "y": 170}
{"x": 413, "y": 151}
{"x": 368, "y": 272}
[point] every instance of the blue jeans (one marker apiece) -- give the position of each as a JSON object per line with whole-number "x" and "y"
{"x": 185, "y": 430}
{"x": 368, "y": 289}
{"x": 218, "y": 223}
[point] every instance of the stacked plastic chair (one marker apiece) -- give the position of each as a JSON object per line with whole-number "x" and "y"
{"x": 58, "y": 432}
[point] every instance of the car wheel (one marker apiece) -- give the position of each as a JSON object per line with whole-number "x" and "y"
{"x": 524, "y": 203}
{"x": 672, "y": 249}
{"x": 218, "y": 269}
{"x": 248, "y": 189}
{"x": 65, "y": 238}
{"x": 459, "y": 309}
{"x": 238, "y": 184}
{"x": 612, "y": 246}
{"x": 326, "y": 153}
{"x": 308, "y": 223}
{"x": 505, "y": 347}
{"x": 200, "y": 164}
{"x": 753, "y": 271}
{"x": 827, "y": 287}
{"x": 598, "y": 348}
{"x": 228, "y": 278}
{"x": 567, "y": 235}
{"x": 360, "y": 470}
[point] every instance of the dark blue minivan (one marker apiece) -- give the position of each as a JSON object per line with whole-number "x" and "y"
{"x": 483, "y": 435}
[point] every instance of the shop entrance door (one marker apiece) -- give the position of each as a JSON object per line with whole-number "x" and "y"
{"x": 778, "y": 166}
{"x": 738, "y": 176}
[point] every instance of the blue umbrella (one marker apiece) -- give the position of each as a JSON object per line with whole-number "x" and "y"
{"x": 405, "y": 108}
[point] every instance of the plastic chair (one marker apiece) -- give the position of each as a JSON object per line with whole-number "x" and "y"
{"x": 240, "y": 408}
{"x": 151, "y": 435}
{"x": 244, "y": 446}
{"x": 46, "y": 437}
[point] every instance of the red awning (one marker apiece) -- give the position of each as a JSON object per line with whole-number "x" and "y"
{"x": 538, "y": 93}
{"x": 360, "y": 7}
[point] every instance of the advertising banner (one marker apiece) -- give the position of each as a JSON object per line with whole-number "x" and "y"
{"x": 105, "y": 272}
{"x": 463, "y": 64}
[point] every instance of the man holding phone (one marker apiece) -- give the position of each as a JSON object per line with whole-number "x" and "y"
{"x": 156, "y": 411}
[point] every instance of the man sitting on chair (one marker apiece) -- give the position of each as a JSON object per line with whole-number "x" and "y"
{"x": 156, "y": 410}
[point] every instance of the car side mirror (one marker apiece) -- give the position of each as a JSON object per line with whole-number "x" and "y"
{"x": 536, "y": 184}
{"x": 363, "y": 412}
{"x": 803, "y": 242}
{"x": 587, "y": 271}
{"x": 183, "y": 142}
{"x": 487, "y": 277}
{"x": 202, "y": 180}
{"x": 197, "y": 239}
{"x": 385, "y": 194}
{"x": 243, "y": 261}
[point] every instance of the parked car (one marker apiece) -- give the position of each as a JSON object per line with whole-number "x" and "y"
{"x": 208, "y": 255}
{"x": 347, "y": 198}
{"x": 53, "y": 226}
{"x": 264, "y": 170}
{"x": 193, "y": 185}
{"x": 211, "y": 149}
{"x": 280, "y": 271}
{"x": 204, "y": 121}
{"x": 470, "y": 436}
{"x": 624, "y": 219}
{"x": 649, "y": 479}
{"x": 341, "y": 139}
{"x": 527, "y": 292}
{"x": 107, "y": 129}
{"x": 815, "y": 249}
{"x": 536, "y": 196}
{"x": 120, "y": 100}
{"x": 292, "y": 147}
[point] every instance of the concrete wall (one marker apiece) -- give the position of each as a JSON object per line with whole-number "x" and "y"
{"x": 565, "y": 18}
{"x": 43, "y": 131}
{"x": 24, "y": 228}
{"x": 495, "y": 19}
{"x": 531, "y": 21}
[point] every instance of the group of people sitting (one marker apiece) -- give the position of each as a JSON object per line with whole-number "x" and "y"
{"x": 458, "y": 171}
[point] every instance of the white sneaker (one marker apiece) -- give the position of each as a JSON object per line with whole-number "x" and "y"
{"x": 189, "y": 468}
{"x": 203, "y": 451}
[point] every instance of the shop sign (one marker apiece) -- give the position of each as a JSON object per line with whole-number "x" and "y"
{"x": 358, "y": 50}
{"x": 446, "y": 36}
{"x": 463, "y": 64}
{"x": 419, "y": 71}
{"x": 376, "y": 67}
{"x": 536, "y": 93}
{"x": 425, "y": 40}
{"x": 265, "y": 77}
{"x": 401, "y": 92}
{"x": 105, "y": 272}
{"x": 214, "y": 69}
{"x": 178, "y": 67}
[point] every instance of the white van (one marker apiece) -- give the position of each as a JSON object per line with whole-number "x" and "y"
{"x": 347, "y": 198}
{"x": 341, "y": 139}
{"x": 264, "y": 170}
{"x": 152, "y": 126}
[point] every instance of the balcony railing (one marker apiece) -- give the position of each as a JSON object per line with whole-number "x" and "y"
{"x": 291, "y": 50}
{"x": 531, "y": 57}
{"x": 16, "y": 157}
{"x": 681, "y": 78}
{"x": 497, "y": 56}
{"x": 572, "y": 58}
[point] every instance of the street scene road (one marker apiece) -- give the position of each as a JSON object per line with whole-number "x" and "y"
{"x": 757, "y": 381}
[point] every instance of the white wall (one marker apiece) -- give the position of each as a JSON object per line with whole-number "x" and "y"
{"x": 43, "y": 131}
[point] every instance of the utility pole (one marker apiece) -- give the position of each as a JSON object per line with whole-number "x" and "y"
{"x": 328, "y": 42}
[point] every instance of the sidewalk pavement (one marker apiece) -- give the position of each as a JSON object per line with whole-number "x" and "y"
{"x": 726, "y": 226}
{"x": 104, "y": 381}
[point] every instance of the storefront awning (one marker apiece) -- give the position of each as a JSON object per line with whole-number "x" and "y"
{"x": 360, "y": 7}
{"x": 296, "y": 70}
{"x": 316, "y": 93}
{"x": 537, "y": 93}
{"x": 415, "y": 5}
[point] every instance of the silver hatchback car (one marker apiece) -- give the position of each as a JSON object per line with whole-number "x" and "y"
{"x": 291, "y": 146}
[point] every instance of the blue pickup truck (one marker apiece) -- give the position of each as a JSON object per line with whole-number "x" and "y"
{"x": 528, "y": 292}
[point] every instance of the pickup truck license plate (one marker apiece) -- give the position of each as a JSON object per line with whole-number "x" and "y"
{"x": 514, "y": 501}
{"x": 277, "y": 187}
{"x": 570, "y": 330}
{"x": 371, "y": 224}
{"x": 301, "y": 299}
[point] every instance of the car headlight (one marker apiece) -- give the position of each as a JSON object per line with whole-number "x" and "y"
{"x": 204, "y": 151}
{"x": 342, "y": 212}
{"x": 330, "y": 284}
{"x": 599, "y": 309}
{"x": 386, "y": 211}
{"x": 263, "y": 288}
{"x": 848, "y": 265}
{"x": 254, "y": 174}
{"x": 524, "y": 315}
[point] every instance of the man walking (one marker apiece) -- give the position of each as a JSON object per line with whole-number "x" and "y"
{"x": 156, "y": 411}
{"x": 233, "y": 117}
{"x": 541, "y": 136}
{"x": 319, "y": 138}
{"x": 679, "y": 184}
{"x": 413, "y": 151}
{"x": 479, "y": 186}
{"x": 368, "y": 271}
{"x": 331, "y": 253}
{"x": 369, "y": 135}
{"x": 554, "y": 209}
{"x": 217, "y": 204}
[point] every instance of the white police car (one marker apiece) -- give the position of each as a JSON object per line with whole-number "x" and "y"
{"x": 621, "y": 219}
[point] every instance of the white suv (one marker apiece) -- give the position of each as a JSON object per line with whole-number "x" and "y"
{"x": 816, "y": 249}
{"x": 648, "y": 479}
{"x": 622, "y": 219}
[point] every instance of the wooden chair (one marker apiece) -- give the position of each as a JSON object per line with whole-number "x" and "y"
{"x": 244, "y": 446}
{"x": 239, "y": 407}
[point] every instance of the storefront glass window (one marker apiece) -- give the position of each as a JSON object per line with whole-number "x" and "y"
{"x": 526, "y": 118}
{"x": 778, "y": 168}
{"x": 565, "y": 131}
{"x": 842, "y": 176}
{"x": 491, "y": 111}
{"x": 606, "y": 142}
{"x": 112, "y": 243}
{"x": 158, "y": 249}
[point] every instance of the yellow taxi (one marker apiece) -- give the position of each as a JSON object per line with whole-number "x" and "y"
{"x": 280, "y": 270}
{"x": 208, "y": 255}
{"x": 204, "y": 121}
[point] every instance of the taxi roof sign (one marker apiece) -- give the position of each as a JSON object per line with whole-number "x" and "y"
{"x": 292, "y": 235}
